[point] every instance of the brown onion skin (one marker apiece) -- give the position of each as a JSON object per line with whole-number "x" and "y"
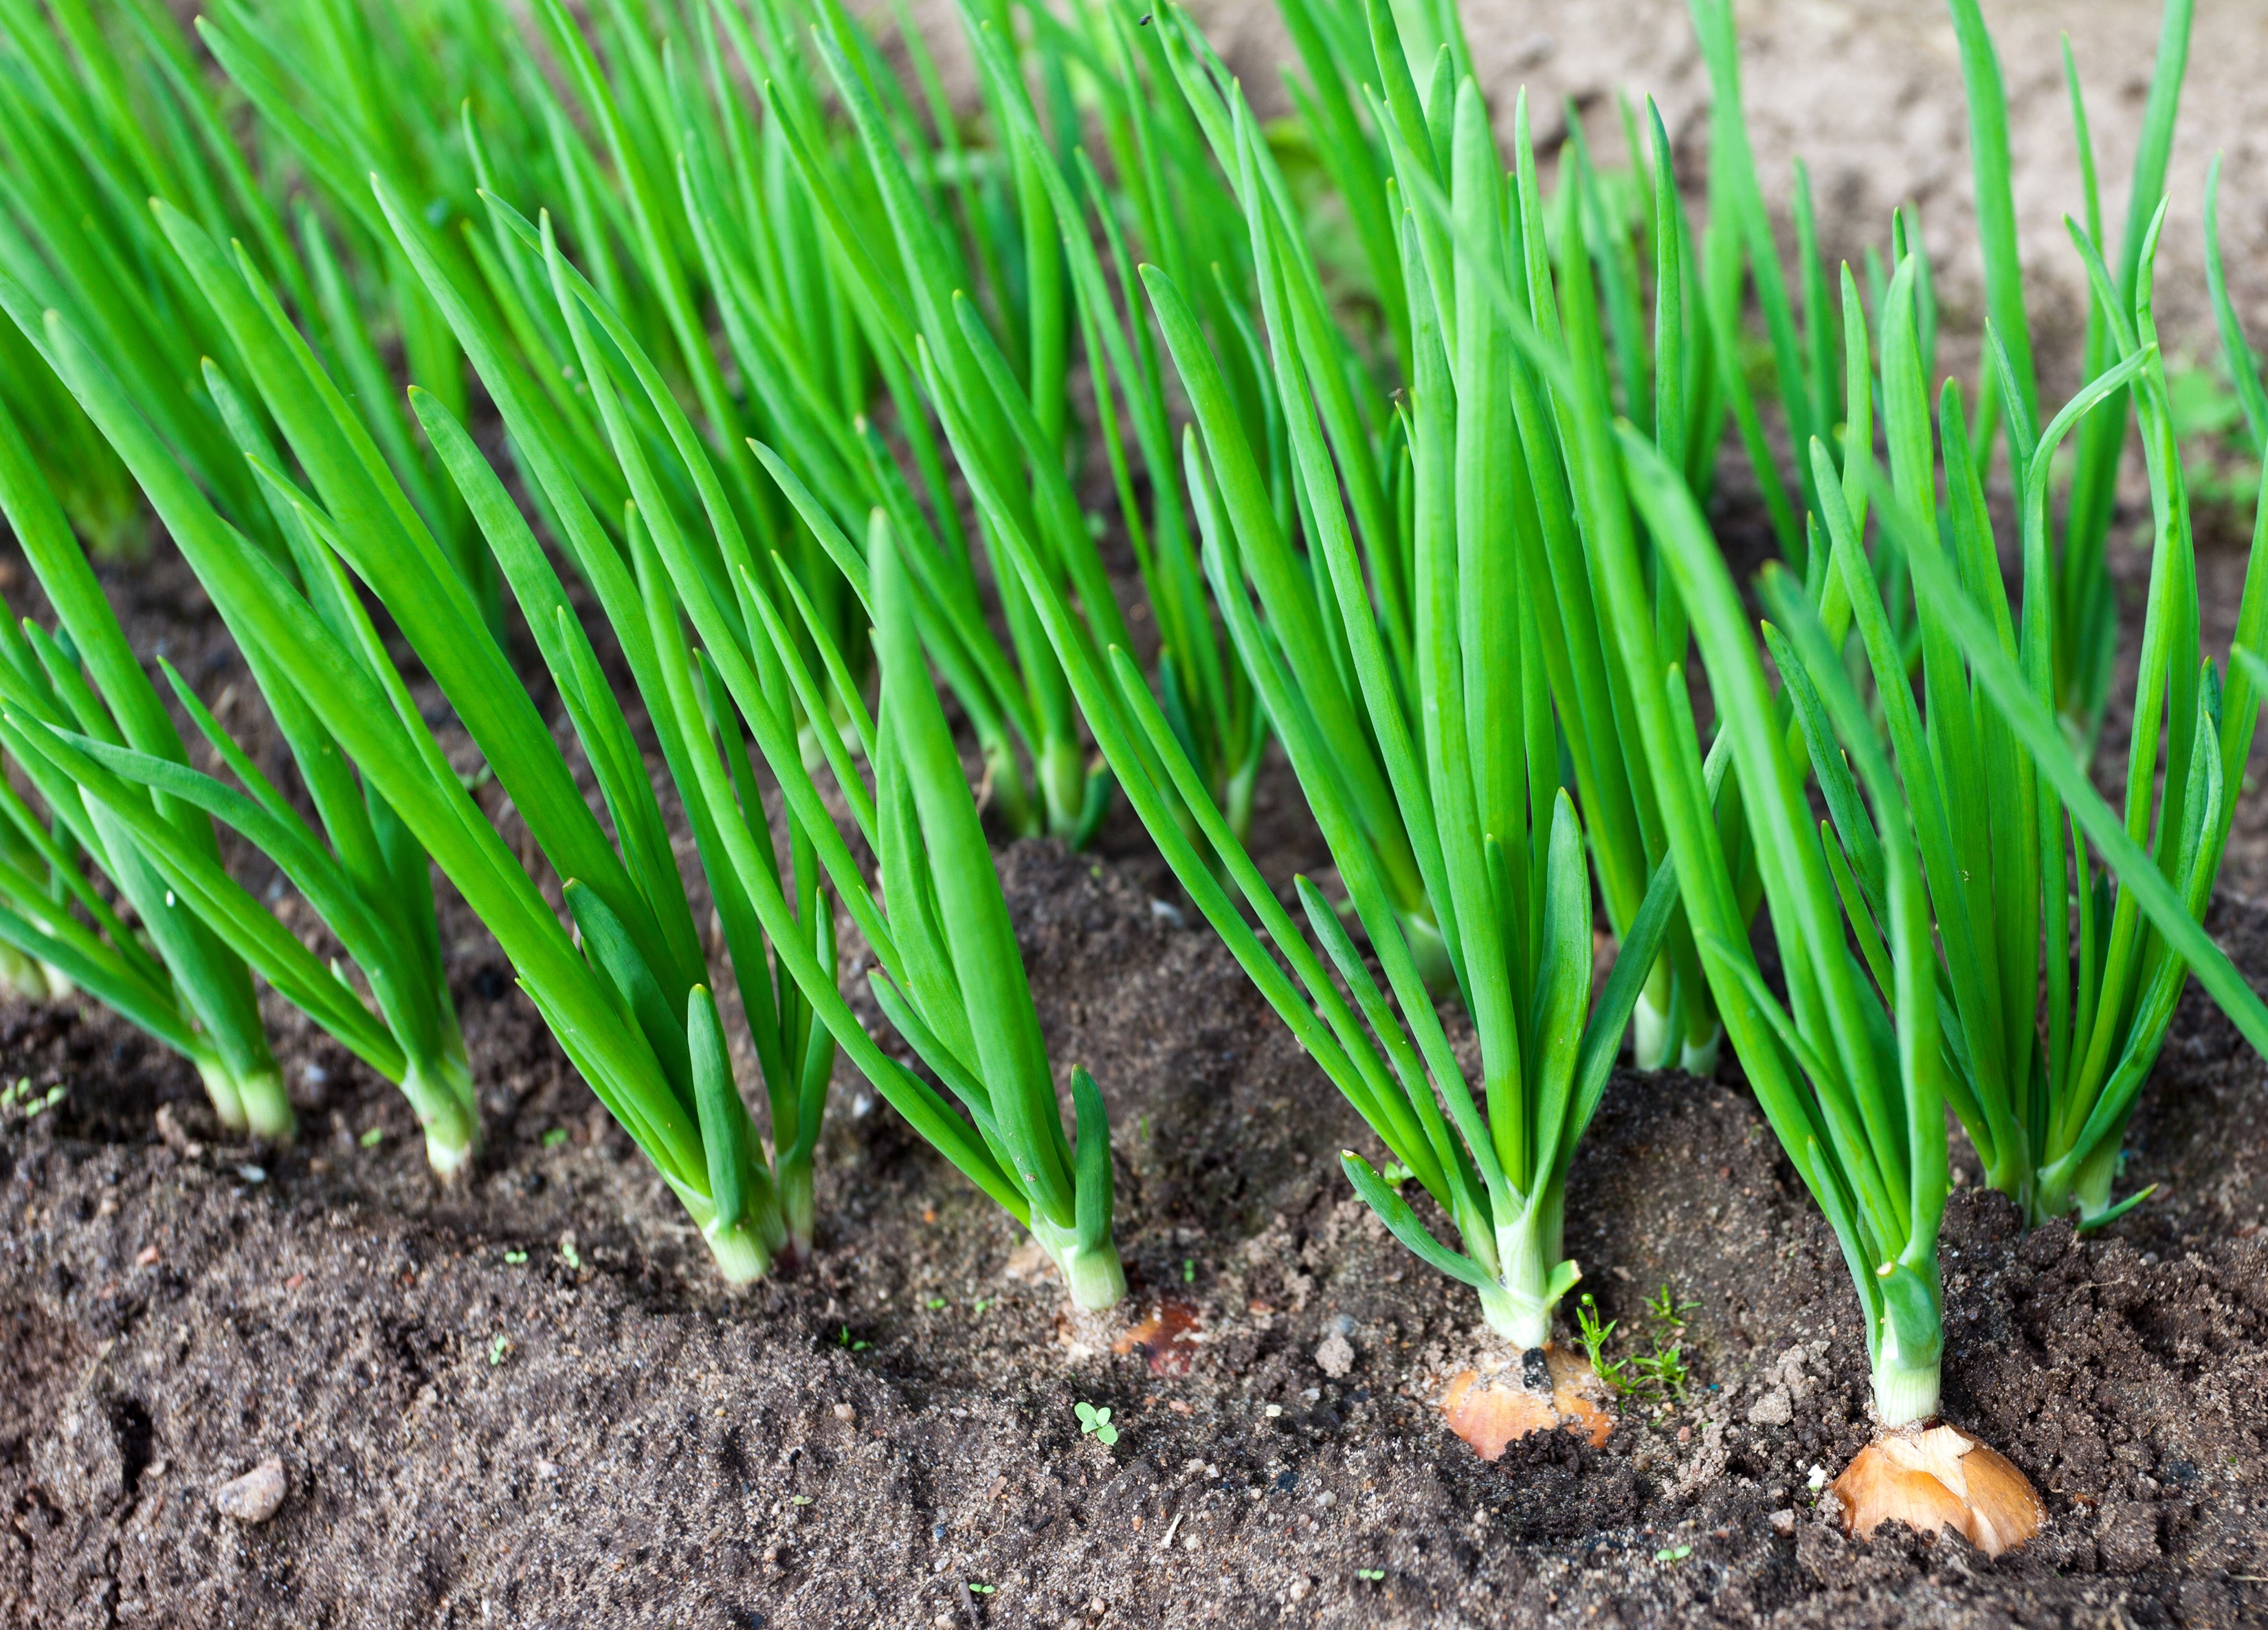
{"x": 1935, "y": 1476}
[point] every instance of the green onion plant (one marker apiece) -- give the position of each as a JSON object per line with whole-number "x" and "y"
{"x": 927, "y": 262}
{"x": 2017, "y": 900}
{"x": 369, "y": 887}
{"x": 1883, "y": 914}
{"x": 1480, "y": 437}
{"x": 185, "y": 986}
{"x": 1492, "y": 845}
{"x": 630, "y": 1003}
{"x": 950, "y": 979}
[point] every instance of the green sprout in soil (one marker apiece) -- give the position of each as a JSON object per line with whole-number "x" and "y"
{"x": 28, "y": 1101}
{"x": 1370, "y": 1575}
{"x": 1095, "y": 1423}
{"x": 1656, "y": 1375}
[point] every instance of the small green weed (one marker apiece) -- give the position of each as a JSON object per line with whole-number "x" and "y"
{"x": 1657, "y": 1375}
{"x": 1095, "y": 1423}
{"x": 29, "y": 1100}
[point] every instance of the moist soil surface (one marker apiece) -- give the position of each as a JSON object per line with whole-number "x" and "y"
{"x": 526, "y": 1400}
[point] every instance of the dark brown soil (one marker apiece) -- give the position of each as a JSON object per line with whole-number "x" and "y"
{"x": 474, "y": 1439}
{"x": 527, "y": 1402}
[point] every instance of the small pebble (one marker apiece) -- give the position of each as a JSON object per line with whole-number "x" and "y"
{"x": 146, "y": 1257}
{"x": 1299, "y": 1588}
{"x": 845, "y": 1412}
{"x": 252, "y": 1498}
{"x": 1335, "y": 1356}
{"x": 253, "y": 1174}
{"x": 1782, "y": 1522}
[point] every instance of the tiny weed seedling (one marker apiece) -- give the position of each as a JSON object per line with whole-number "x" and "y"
{"x": 1594, "y": 1336}
{"x": 1664, "y": 1367}
{"x": 28, "y": 1101}
{"x": 1095, "y": 1423}
{"x": 372, "y": 1139}
{"x": 556, "y": 1135}
{"x": 1673, "y": 1553}
{"x": 1658, "y": 1376}
{"x": 498, "y": 1347}
{"x": 568, "y": 1254}
{"x": 1664, "y": 1308}
{"x": 515, "y": 1257}
{"x": 1370, "y": 1574}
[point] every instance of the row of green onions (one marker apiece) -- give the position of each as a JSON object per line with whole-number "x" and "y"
{"x": 1437, "y": 523}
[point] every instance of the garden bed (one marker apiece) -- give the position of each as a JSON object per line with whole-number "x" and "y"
{"x": 526, "y": 1401}
{"x": 519, "y": 1403}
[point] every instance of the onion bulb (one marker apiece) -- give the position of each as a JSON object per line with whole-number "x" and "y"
{"x": 1541, "y": 1388}
{"x": 1937, "y": 1477}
